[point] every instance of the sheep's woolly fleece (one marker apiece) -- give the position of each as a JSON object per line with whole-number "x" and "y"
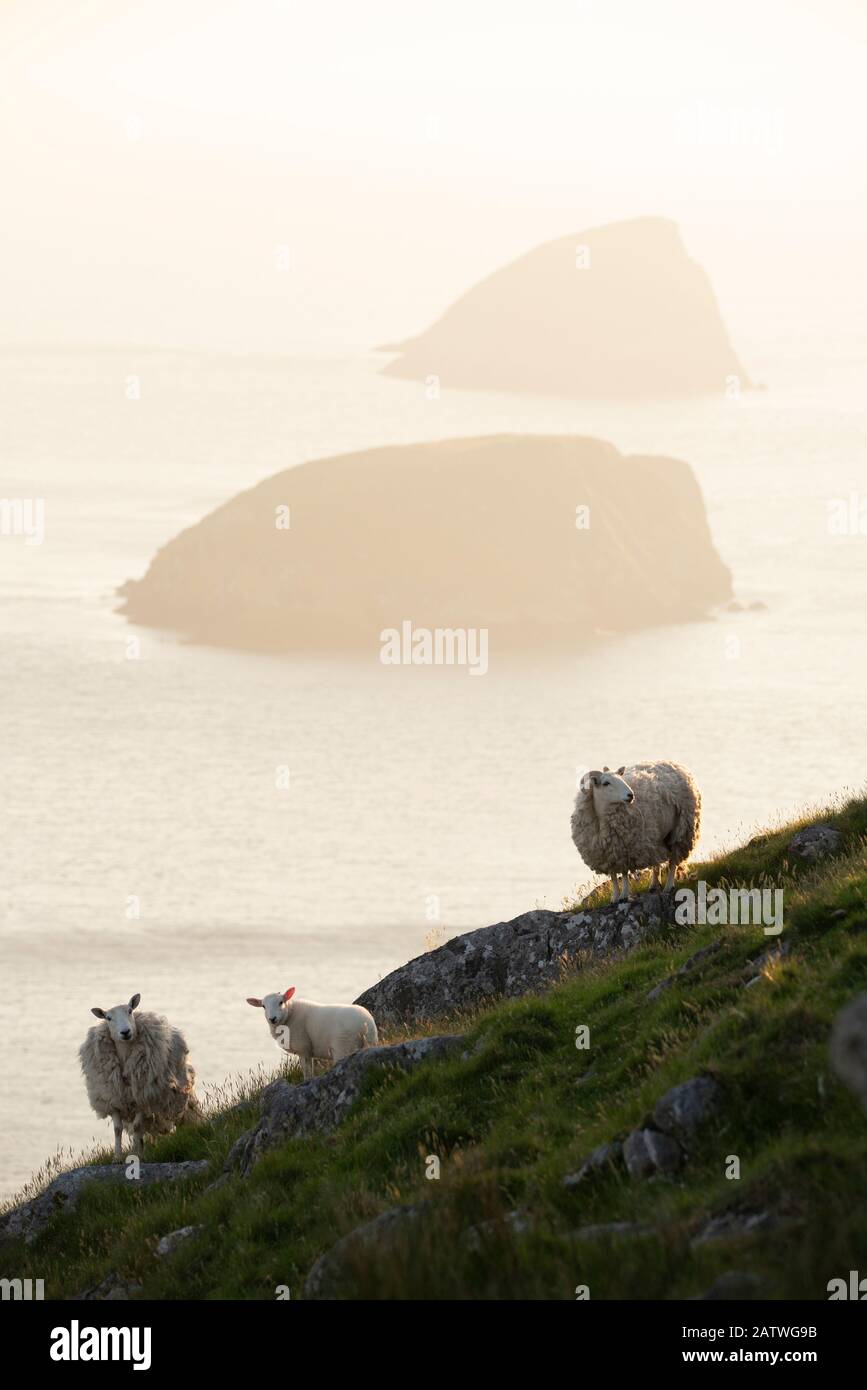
{"x": 662, "y": 824}
{"x": 154, "y": 1079}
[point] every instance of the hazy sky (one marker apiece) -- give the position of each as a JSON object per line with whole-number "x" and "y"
{"x": 251, "y": 174}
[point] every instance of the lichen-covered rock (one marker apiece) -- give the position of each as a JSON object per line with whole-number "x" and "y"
{"x": 648, "y": 1154}
{"x": 30, "y": 1218}
{"x": 319, "y": 1105}
{"x": 815, "y": 842}
{"x": 684, "y": 1109}
{"x": 510, "y": 958}
{"x": 848, "y": 1047}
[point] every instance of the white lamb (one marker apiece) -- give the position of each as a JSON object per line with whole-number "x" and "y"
{"x": 637, "y": 818}
{"x": 136, "y": 1071}
{"x": 316, "y": 1032}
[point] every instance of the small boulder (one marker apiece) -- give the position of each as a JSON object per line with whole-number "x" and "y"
{"x": 648, "y": 1154}
{"x": 686, "y": 1108}
{"x": 814, "y": 843}
{"x": 169, "y": 1244}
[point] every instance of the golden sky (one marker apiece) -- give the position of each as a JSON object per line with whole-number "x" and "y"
{"x": 282, "y": 176}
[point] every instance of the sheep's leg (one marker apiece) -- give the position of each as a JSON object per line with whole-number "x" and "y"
{"x": 615, "y": 888}
{"x": 138, "y": 1134}
{"x": 626, "y": 890}
{"x": 672, "y": 876}
{"x": 118, "y": 1136}
{"x": 655, "y": 882}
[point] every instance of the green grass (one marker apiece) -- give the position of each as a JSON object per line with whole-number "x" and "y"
{"x": 509, "y": 1120}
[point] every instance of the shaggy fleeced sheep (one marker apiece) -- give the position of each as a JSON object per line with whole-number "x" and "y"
{"x": 640, "y": 817}
{"x": 136, "y": 1072}
{"x": 316, "y": 1032}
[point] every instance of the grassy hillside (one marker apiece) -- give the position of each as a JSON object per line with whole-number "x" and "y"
{"x": 514, "y": 1117}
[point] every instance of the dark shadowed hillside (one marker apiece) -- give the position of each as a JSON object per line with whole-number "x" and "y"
{"x": 619, "y": 310}
{"x": 463, "y": 533}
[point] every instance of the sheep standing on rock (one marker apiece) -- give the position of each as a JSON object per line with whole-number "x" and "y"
{"x": 136, "y": 1071}
{"x": 640, "y": 817}
{"x": 316, "y": 1032}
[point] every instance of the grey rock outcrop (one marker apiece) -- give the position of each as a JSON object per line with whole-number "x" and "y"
{"x": 647, "y": 1153}
{"x": 659, "y": 1147}
{"x": 815, "y": 842}
{"x": 686, "y": 1108}
{"x": 319, "y": 1105}
{"x": 510, "y": 958}
{"x": 30, "y": 1218}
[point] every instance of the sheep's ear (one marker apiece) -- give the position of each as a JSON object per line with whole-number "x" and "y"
{"x": 100, "y": 1013}
{"x": 288, "y": 995}
{"x": 606, "y": 769}
{"x": 620, "y": 770}
{"x": 256, "y": 1003}
{"x": 135, "y": 1001}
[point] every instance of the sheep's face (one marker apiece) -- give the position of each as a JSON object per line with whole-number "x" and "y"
{"x": 120, "y": 1019}
{"x": 276, "y": 1008}
{"x": 607, "y": 789}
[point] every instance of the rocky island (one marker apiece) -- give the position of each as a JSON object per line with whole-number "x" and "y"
{"x": 619, "y": 311}
{"x": 535, "y": 539}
